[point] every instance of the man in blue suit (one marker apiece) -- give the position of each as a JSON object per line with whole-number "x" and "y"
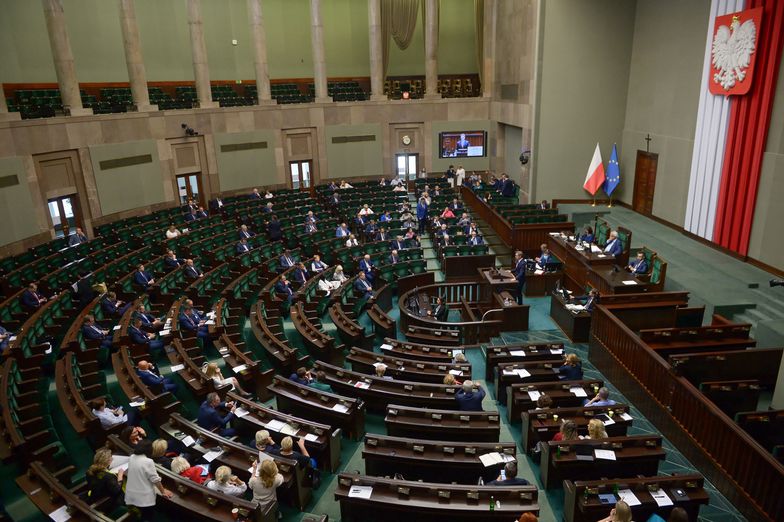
{"x": 613, "y": 245}
{"x": 138, "y": 336}
{"x": 285, "y": 260}
{"x": 398, "y": 243}
{"x": 362, "y": 286}
{"x": 421, "y": 212}
{"x": 78, "y": 238}
{"x": 638, "y": 266}
{"x": 301, "y": 274}
{"x": 191, "y": 323}
{"x": 255, "y": 194}
{"x": 342, "y": 230}
{"x": 283, "y": 288}
{"x": 470, "y": 397}
{"x": 92, "y": 331}
{"x": 150, "y": 376}
{"x": 201, "y": 213}
{"x": 191, "y": 271}
{"x": 394, "y": 258}
{"x": 150, "y": 323}
{"x": 366, "y": 266}
{"x": 245, "y": 233}
{"x": 475, "y": 240}
{"x": 190, "y": 216}
{"x": 519, "y": 272}
{"x": 113, "y": 307}
{"x": 243, "y": 246}
{"x": 210, "y": 419}
{"x": 143, "y": 278}
{"x": 171, "y": 260}
{"x": 31, "y": 299}
{"x": 545, "y": 257}
{"x": 5, "y": 337}
{"x": 508, "y": 188}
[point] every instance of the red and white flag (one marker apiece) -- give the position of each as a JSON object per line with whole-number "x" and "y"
{"x": 595, "y": 176}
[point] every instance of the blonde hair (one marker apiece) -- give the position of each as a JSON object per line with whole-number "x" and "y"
{"x": 159, "y": 447}
{"x": 179, "y": 464}
{"x": 101, "y": 461}
{"x": 572, "y": 359}
{"x": 223, "y": 474}
{"x": 380, "y": 369}
{"x": 569, "y": 430}
{"x": 261, "y": 437}
{"x": 267, "y": 473}
{"x": 449, "y": 379}
{"x": 460, "y": 357}
{"x": 286, "y": 444}
{"x": 596, "y": 429}
{"x": 211, "y": 370}
{"x": 623, "y": 513}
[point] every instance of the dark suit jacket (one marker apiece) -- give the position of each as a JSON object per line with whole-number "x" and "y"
{"x": 150, "y": 378}
{"x": 243, "y": 248}
{"x": 84, "y": 290}
{"x": 30, "y": 299}
{"x": 171, "y": 263}
{"x": 471, "y": 401}
{"x": 109, "y": 307}
{"x": 192, "y": 272}
{"x": 142, "y": 278}
{"x": 440, "y": 312}
{"x": 190, "y": 324}
{"x": 365, "y": 267}
{"x": 508, "y": 189}
{"x": 93, "y": 332}
{"x": 397, "y": 245}
{"x": 300, "y": 276}
{"x": 392, "y": 260}
{"x": 283, "y": 289}
{"x": 210, "y": 419}
{"x": 137, "y": 336}
{"x": 190, "y": 217}
{"x": 519, "y": 270}
{"x": 274, "y": 230}
{"x": 361, "y": 288}
{"x": 285, "y": 263}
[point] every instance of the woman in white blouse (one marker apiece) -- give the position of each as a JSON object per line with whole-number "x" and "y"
{"x": 227, "y": 483}
{"x": 212, "y": 371}
{"x": 265, "y": 482}
{"x": 143, "y": 480}
{"x": 172, "y": 232}
{"x": 351, "y": 241}
{"x": 338, "y": 276}
{"x": 365, "y": 210}
{"x": 345, "y": 185}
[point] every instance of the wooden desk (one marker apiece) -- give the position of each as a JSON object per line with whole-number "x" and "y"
{"x": 608, "y": 280}
{"x": 475, "y": 426}
{"x": 405, "y": 369}
{"x": 576, "y": 326}
{"x": 760, "y": 363}
{"x": 518, "y": 396}
{"x": 512, "y": 373}
{"x": 540, "y": 425}
{"x": 493, "y": 280}
{"x": 538, "y": 285}
{"x": 511, "y": 353}
{"x": 577, "y": 263}
{"x": 419, "y": 351}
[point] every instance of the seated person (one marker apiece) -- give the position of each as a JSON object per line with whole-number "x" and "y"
{"x": 310, "y": 217}
{"x": 381, "y": 370}
{"x": 90, "y": 330}
{"x": 445, "y": 240}
{"x": 366, "y": 265}
{"x": 111, "y": 417}
{"x": 143, "y": 278}
{"x": 310, "y": 227}
{"x": 455, "y": 206}
{"x": 440, "y": 311}
{"x": 285, "y": 260}
{"x": 451, "y": 380}
{"x": 447, "y": 213}
{"x": 190, "y": 322}
{"x": 301, "y": 274}
{"x": 475, "y": 240}
{"x": 589, "y": 301}
{"x": 345, "y": 185}
{"x": 677, "y": 514}
{"x": 572, "y": 368}
{"x": 150, "y": 323}
{"x": 284, "y": 290}
{"x": 255, "y": 194}
{"x": 544, "y": 205}
{"x": 227, "y": 483}
{"x": 393, "y": 258}
{"x": 338, "y": 276}
{"x": 586, "y": 235}
{"x": 267, "y": 208}
{"x": 245, "y": 232}
{"x": 302, "y": 376}
{"x": 400, "y": 188}
{"x": 443, "y": 230}
{"x": 472, "y": 228}
{"x": 264, "y": 443}
{"x": 596, "y": 430}
{"x": 398, "y": 243}
{"x": 243, "y": 246}
{"x": 342, "y": 230}
{"x": 365, "y": 210}
{"x": 172, "y": 232}
{"x": 620, "y": 513}
{"x": 318, "y": 266}
{"x": 31, "y": 299}
{"x": 139, "y": 336}
{"x": 509, "y": 476}
{"x": 352, "y": 241}
{"x": 191, "y": 271}
{"x": 78, "y": 238}
{"x": 469, "y": 398}
{"x": 382, "y": 235}
{"x": 113, "y": 307}
{"x": 464, "y": 221}
{"x": 150, "y": 376}
{"x": 371, "y": 229}
{"x": 198, "y": 474}
{"x": 212, "y": 371}
{"x": 5, "y": 337}
{"x": 302, "y": 456}
{"x": 171, "y": 260}
{"x": 191, "y": 215}
{"x": 268, "y": 194}
{"x": 320, "y": 382}
{"x": 103, "y": 484}
{"x": 638, "y": 266}
{"x": 201, "y": 213}
{"x": 544, "y": 402}
{"x": 210, "y": 419}
{"x": 386, "y": 216}
{"x": 568, "y": 431}
{"x": 602, "y": 398}
{"x": 613, "y": 245}
{"x": 362, "y": 286}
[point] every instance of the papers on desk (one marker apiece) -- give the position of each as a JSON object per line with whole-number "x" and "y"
{"x": 626, "y": 416}
{"x": 661, "y": 498}
{"x": 520, "y": 372}
{"x": 361, "y": 385}
{"x": 578, "y": 391}
{"x": 241, "y": 367}
{"x": 456, "y": 373}
{"x": 240, "y": 412}
{"x": 211, "y": 314}
{"x": 118, "y": 461}
{"x": 554, "y": 234}
{"x": 517, "y": 353}
{"x": 210, "y": 322}
{"x": 534, "y": 395}
{"x": 212, "y": 455}
{"x": 538, "y": 272}
{"x": 601, "y": 256}
{"x": 60, "y": 514}
{"x": 628, "y": 496}
{"x": 556, "y": 351}
{"x": 376, "y": 365}
{"x": 632, "y": 282}
{"x": 604, "y": 454}
{"x": 340, "y": 408}
{"x": 386, "y": 347}
{"x": 311, "y": 437}
{"x": 494, "y": 457}
{"x": 136, "y": 404}
{"x": 275, "y": 425}
{"x": 117, "y": 327}
{"x": 595, "y": 249}
{"x": 575, "y": 307}
{"x": 288, "y": 430}
{"x": 123, "y": 467}
{"x": 165, "y": 331}
{"x": 360, "y": 491}
{"x": 223, "y": 350}
{"x": 177, "y": 367}
{"x": 607, "y": 421}
{"x": 12, "y": 339}
{"x": 188, "y": 441}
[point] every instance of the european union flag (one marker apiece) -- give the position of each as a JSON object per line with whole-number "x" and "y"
{"x": 613, "y": 173}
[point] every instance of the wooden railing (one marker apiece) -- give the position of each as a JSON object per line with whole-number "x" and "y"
{"x": 746, "y": 473}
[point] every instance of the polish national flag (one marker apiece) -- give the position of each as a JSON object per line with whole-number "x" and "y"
{"x": 595, "y": 176}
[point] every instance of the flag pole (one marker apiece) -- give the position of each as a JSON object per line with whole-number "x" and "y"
{"x": 609, "y": 205}
{"x": 593, "y": 204}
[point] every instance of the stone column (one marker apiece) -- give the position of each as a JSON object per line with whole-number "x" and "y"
{"x": 201, "y": 70}
{"x": 488, "y": 49}
{"x": 4, "y": 114}
{"x": 317, "y": 43}
{"x": 137, "y": 75}
{"x": 63, "y": 58}
{"x": 431, "y": 49}
{"x": 259, "y": 37}
{"x": 376, "y": 48}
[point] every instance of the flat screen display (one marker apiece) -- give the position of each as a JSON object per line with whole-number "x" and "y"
{"x": 462, "y": 144}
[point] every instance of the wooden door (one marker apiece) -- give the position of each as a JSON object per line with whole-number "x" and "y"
{"x": 644, "y": 181}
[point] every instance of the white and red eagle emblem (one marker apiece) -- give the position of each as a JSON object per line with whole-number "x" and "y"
{"x": 733, "y": 51}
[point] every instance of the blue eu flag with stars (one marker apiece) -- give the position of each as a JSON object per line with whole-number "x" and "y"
{"x": 613, "y": 173}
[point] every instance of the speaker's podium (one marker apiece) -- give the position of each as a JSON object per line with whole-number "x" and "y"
{"x": 497, "y": 289}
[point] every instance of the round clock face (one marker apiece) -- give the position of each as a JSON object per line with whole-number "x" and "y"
{"x": 406, "y": 140}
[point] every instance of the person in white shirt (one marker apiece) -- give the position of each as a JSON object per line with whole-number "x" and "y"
{"x": 268, "y": 195}
{"x": 143, "y": 480}
{"x": 338, "y": 276}
{"x": 212, "y": 371}
{"x": 317, "y": 266}
{"x": 459, "y": 175}
{"x": 227, "y": 483}
{"x": 399, "y": 188}
{"x": 172, "y": 232}
{"x": 345, "y": 185}
{"x": 264, "y": 480}
{"x": 395, "y": 181}
{"x": 108, "y": 418}
{"x": 352, "y": 241}
{"x": 365, "y": 210}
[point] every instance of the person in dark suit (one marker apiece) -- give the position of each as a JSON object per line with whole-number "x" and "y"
{"x": 545, "y": 256}
{"x": 191, "y": 216}
{"x": 210, "y": 419}
{"x": 31, "y": 299}
{"x": 362, "y": 286}
{"x": 470, "y": 397}
{"x": 302, "y": 376}
{"x": 398, "y": 243}
{"x": 150, "y": 323}
{"x": 268, "y": 207}
{"x": 310, "y": 228}
{"x": 371, "y": 229}
{"x": 421, "y": 214}
{"x": 393, "y": 258}
{"x": 638, "y": 266}
{"x": 245, "y": 232}
{"x": 508, "y": 188}
{"x": 440, "y": 311}
{"x": 475, "y": 240}
{"x": 255, "y": 194}
{"x": 84, "y": 289}
{"x": 189, "y": 322}
{"x": 382, "y": 234}
{"x": 243, "y": 246}
{"x": 301, "y": 274}
{"x": 471, "y": 229}
{"x": 613, "y": 245}
{"x": 519, "y": 272}
{"x": 191, "y": 271}
{"x": 216, "y": 204}
{"x": 143, "y": 278}
{"x": 509, "y": 477}
{"x": 139, "y": 336}
{"x": 285, "y": 260}
{"x": 283, "y": 289}
{"x": 589, "y": 300}
{"x": 113, "y": 307}
{"x": 366, "y": 265}
{"x": 335, "y": 201}
{"x": 171, "y": 260}
{"x": 544, "y": 205}
{"x": 317, "y": 265}
{"x": 78, "y": 238}
{"x": 572, "y": 368}
{"x": 201, "y": 213}
{"x": 5, "y": 339}
{"x": 274, "y": 229}
{"x": 90, "y": 330}
{"x": 150, "y": 376}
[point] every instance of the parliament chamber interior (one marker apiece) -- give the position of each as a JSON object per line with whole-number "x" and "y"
{"x": 383, "y": 260}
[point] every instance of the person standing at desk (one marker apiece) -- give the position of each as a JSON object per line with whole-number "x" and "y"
{"x": 519, "y": 272}
{"x": 440, "y": 312}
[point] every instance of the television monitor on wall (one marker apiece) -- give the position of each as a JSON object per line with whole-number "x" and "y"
{"x": 462, "y": 144}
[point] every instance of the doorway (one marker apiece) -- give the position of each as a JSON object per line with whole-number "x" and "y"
{"x": 64, "y": 214}
{"x": 299, "y": 174}
{"x": 189, "y": 187}
{"x": 406, "y": 166}
{"x": 644, "y": 181}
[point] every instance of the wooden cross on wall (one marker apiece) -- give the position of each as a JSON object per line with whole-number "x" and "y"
{"x": 648, "y": 143}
